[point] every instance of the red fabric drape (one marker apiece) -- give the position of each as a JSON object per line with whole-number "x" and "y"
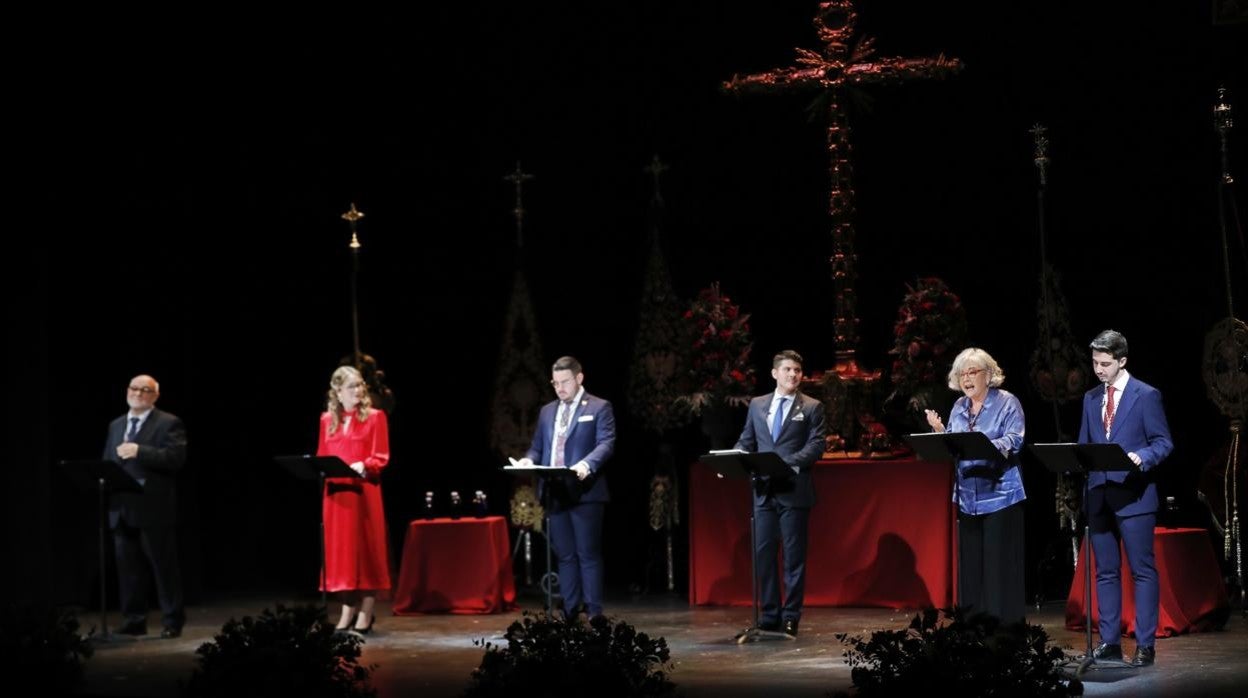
{"x": 456, "y": 566}
{"x": 881, "y": 534}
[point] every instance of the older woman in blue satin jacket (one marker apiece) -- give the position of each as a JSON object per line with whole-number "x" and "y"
{"x": 989, "y": 494}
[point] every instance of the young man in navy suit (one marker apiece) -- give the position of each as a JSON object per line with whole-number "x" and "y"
{"x": 577, "y": 432}
{"x": 1122, "y": 506}
{"x": 150, "y": 445}
{"x": 792, "y": 425}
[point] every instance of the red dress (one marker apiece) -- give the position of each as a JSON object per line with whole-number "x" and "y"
{"x": 356, "y": 554}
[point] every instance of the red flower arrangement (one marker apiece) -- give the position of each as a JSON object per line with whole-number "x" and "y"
{"x": 720, "y": 370}
{"x": 930, "y": 329}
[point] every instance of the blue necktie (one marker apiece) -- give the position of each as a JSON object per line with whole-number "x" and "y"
{"x": 134, "y": 429}
{"x": 777, "y": 420}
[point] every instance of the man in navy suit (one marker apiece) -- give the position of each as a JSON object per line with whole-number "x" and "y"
{"x": 1122, "y": 506}
{"x": 150, "y": 445}
{"x": 576, "y": 432}
{"x": 792, "y": 425}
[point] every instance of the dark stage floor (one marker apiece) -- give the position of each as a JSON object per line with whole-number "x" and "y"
{"x": 434, "y": 655}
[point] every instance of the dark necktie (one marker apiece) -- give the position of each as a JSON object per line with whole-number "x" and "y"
{"x": 134, "y": 429}
{"x": 1109, "y": 408}
{"x": 561, "y": 434}
{"x": 778, "y": 420}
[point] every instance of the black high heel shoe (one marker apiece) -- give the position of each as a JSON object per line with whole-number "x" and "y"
{"x": 350, "y": 626}
{"x": 365, "y": 631}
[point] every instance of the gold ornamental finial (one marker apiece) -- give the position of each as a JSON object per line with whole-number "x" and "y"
{"x": 353, "y": 216}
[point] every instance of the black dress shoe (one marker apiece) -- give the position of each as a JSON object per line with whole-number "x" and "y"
{"x": 771, "y": 627}
{"x": 1144, "y": 656}
{"x": 170, "y": 632}
{"x": 1108, "y": 652}
{"x": 133, "y": 627}
{"x": 790, "y": 627}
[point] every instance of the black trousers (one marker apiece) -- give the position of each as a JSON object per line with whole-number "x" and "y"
{"x": 144, "y": 553}
{"x": 991, "y": 563}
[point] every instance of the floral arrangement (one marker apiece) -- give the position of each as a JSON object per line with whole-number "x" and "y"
{"x": 291, "y": 651}
{"x": 542, "y": 655}
{"x": 720, "y": 372}
{"x": 966, "y": 654}
{"x": 931, "y": 326}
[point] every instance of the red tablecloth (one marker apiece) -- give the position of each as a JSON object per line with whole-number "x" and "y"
{"x": 1193, "y": 597}
{"x": 881, "y": 534}
{"x": 456, "y": 566}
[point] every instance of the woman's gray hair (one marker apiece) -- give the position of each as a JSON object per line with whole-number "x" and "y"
{"x": 980, "y": 359}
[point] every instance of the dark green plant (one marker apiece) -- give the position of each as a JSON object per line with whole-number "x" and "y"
{"x": 547, "y": 656}
{"x": 957, "y": 654}
{"x": 38, "y": 640}
{"x": 292, "y": 651}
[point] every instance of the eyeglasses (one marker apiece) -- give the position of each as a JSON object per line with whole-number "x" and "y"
{"x": 141, "y": 389}
{"x": 971, "y": 372}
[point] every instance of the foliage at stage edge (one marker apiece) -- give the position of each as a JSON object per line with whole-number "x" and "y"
{"x": 42, "y": 641}
{"x": 548, "y": 656}
{"x": 291, "y": 651}
{"x": 720, "y": 370}
{"x": 929, "y": 332}
{"x": 966, "y": 655}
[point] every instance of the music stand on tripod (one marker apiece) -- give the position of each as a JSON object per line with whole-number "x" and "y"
{"x": 318, "y": 468}
{"x": 742, "y": 465}
{"x": 104, "y": 476}
{"x": 1062, "y": 458}
{"x": 546, "y": 472}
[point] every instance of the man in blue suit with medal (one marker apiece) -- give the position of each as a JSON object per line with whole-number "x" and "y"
{"x": 1122, "y": 506}
{"x": 576, "y": 432}
{"x": 791, "y": 425}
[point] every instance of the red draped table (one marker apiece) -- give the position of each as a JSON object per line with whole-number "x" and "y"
{"x": 456, "y": 566}
{"x": 881, "y": 534}
{"x": 1193, "y": 597}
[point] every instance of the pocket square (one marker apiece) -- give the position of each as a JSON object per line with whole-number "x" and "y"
{"x": 585, "y": 418}
{"x": 799, "y": 417}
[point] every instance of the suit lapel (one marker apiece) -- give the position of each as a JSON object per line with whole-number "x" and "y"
{"x": 1129, "y": 396}
{"x": 577, "y": 410}
{"x": 144, "y": 429}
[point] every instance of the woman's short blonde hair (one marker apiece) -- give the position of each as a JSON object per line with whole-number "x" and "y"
{"x": 977, "y": 358}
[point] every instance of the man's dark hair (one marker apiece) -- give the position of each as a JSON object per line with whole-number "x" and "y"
{"x": 1111, "y": 342}
{"x": 567, "y": 363}
{"x": 786, "y": 354}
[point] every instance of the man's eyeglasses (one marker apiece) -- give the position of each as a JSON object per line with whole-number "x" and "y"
{"x": 142, "y": 389}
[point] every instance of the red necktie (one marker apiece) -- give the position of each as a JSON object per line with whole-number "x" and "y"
{"x": 1109, "y": 408}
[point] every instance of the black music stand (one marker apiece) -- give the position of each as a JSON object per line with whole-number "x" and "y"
{"x": 104, "y": 476}
{"x": 742, "y": 465}
{"x": 1062, "y": 458}
{"x": 318, "y": 468}
{"x": 951, "y": 447}
{"x": 547, "y": 472}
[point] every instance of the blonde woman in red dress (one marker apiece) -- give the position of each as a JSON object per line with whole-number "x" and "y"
{"x": 357, "y": 565}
